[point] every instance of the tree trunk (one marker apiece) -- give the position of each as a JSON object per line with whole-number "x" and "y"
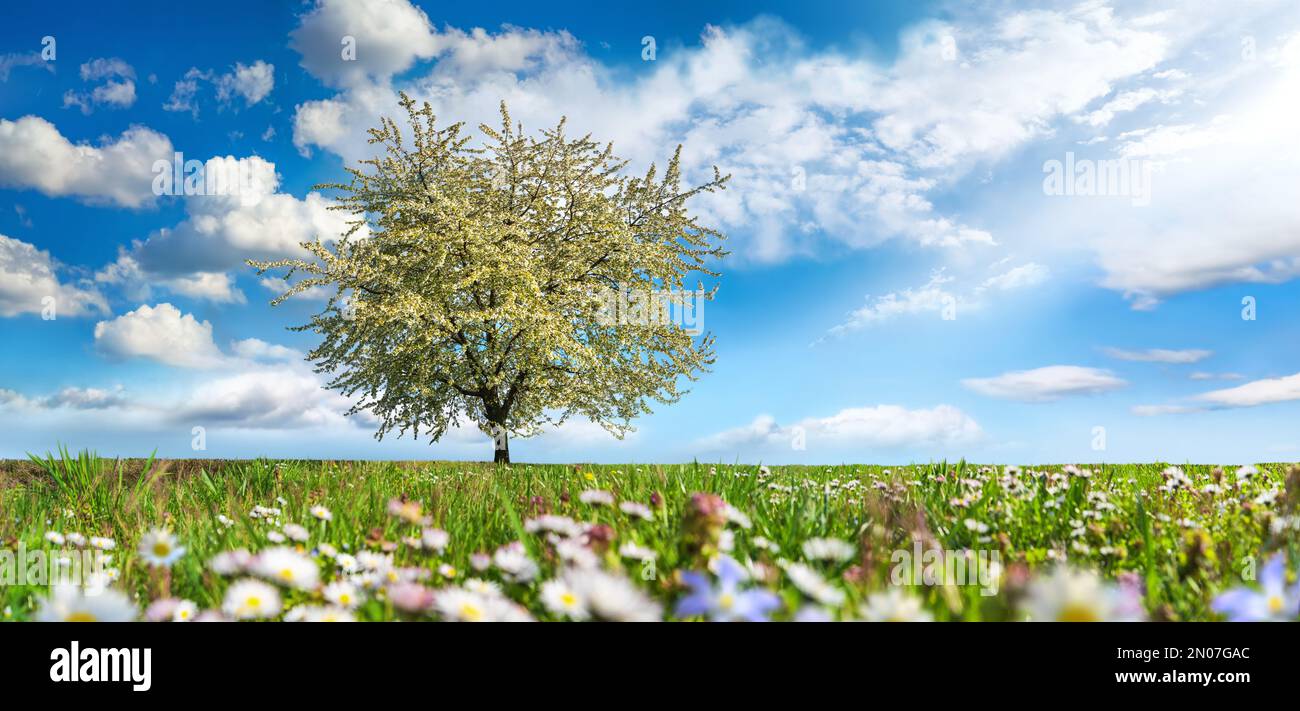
{"x": 502, "y": 440}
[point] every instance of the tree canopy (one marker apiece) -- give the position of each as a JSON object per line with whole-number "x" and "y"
{"x": 509, "y": 283}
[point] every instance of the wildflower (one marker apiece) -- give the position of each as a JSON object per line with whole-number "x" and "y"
{"x": 637, "y": 510}
{"x": 102, "y": 543}
{"x": 287, "y": 567}
{"x": 185, "y": 611}
{"x": 159, "y": 548}
{"x": 275, "y": 537}
{"x": 295, "y": 532}
{"x": 811, "y": 583}
{"x": 636, "y": 552}
{"x": 76, "y": 539}
{"x": 1069, "y": 595}
{"x": 230, "y": 562}
{"x": 69, "y": 603}
{"x": 596, "y": 497}
{"x": 54, "y": 537}
{"x": 224, "y": 520}
{"x": 561, "y": 600}
{"x": 832, "y": 549}
{"x": 347, "y": 562}
{"x": 894, "y": 605}
{"x": 435, "y": 539}
{"x": 327, "y": 550}
{"x": 409, "y": 511}
{"x": 480, "y": 561}
{"x": 410, "y": 597}
{"x": 447, "y": 570}
{"x": 251, "y": 599}
{"x": 161, "y": 610}
{"x": 342, "y": 594}
{"x": 1274, "y": 601}
{"x": 562, "y": 525}
{"x": 612, "y": 597}
{"x": 513, "y": 561}
{"x": 727, "y": 602}
{"x": 316, "y": 613}
{"x": 461, "y": 605}
{"x": 321, "y": 513}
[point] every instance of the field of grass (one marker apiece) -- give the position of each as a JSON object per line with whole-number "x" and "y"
{"x": 318, "y": 540}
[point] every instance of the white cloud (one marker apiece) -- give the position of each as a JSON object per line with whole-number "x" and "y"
{"x": 1202, "y": 375}
{"x": 257, "y": 349}
{"x": 1159, "y": 355}
{"x": 1025, "y": 275}
{"x": 28, "y": 276}
{"x": 1157, "y": 410}
{"x": 22, "y": 59}
{"x": 388, "y": 36}
{"x": 253, "y": 82}
{"x": 161, "y": 333}
{"x": 1256, "y": 392}
{"x": 1045, "y": 384}
{"x": 929, "y": 297}
{"x": 34, "y": 155}
{"x": 222, "y": 231}
{"x": 117, "y": 91}
{"x": 279, "y": 398}
{"x": 881, "y": 426}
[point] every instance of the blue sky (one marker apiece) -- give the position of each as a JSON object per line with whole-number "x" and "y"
{"x": 907, "y": 282}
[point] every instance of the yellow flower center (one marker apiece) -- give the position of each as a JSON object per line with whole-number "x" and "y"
{"x": 345, "y": 599}
{"x": 569, "y": 599}
{"x": 470, "y": 612}
{"x": 726, "y": 600}
{"x": 253, "y": 603}
{"x": 161, "y": 549}
{"x": 1274, "y": 603}
{"x": 1078, "y": 612}
{"x": 80, "y": 616}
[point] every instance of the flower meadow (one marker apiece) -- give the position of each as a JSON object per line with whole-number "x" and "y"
{"x": 317, "y": 541}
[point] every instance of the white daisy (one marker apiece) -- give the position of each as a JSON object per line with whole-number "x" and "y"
{"x": 894, "y": 605}
{"x": 435, "y": 539}
{"x": 251, "y": 599}
{"x": 832, "y": 549}
{"x": 287, "y": 567}
{"x": 612, "y": 597}
{"x": 185, "y": 611}
{"x": 596, "y": 497}
{"x": 160, "y": 549}
{"x": 69, "y": 603}
{"x": 561, "y": 600}
{"x": 637, "y": 510}
{"x": 322, "y": 513}
{"x": 343, "y": 594}
{"x": 1070, "y": 595}
{"x": 811, "y": 583}
{"x": 54, "y": 537}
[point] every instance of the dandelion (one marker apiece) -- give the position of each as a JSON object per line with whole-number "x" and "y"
{"x": 894, "y": 605}
{"x": 321, "y": 513}
{"x": 726, "y": 602}
{"x": 159, "y": 548}
{"x": 831, "y": 549}
{"x": 69, "y": 603}
{"x": 1274, "y": 601}
{"x": 1069, "y": 595}
{"x": 287, "y": 567}
{"x": 561, "y": 600}
{"x": 251, "y": 599}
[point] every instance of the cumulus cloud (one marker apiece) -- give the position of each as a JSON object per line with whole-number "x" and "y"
{"x": 820, "y": 143}
{"x": 253, "y": 82}
{"x": 22, "y": 59}
{"x": 28, "y": 277}
{"x": 881, "y": 426}
{"x": 223, "y": 230}
{"x": 1045, "y": 384}
{"x": 160, "y": 333}
{"x": 1159, "y": 355}
{"x": 385, "y": 37}
{"x": 117, "y": 91}
{"x": 35, "y": 156}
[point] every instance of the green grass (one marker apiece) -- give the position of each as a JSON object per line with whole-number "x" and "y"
{"x": 1183, "y": 546}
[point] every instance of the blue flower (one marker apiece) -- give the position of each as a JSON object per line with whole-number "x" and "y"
{"x": 726, "y": 602}
{"x": 1274, "y": 601}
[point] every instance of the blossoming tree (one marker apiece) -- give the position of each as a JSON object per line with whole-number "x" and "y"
{"x": 481, "y": 289}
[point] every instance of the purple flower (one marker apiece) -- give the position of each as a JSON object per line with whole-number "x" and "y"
{"x": 1274, "y": 601}
{"x": 726, "y": 602}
